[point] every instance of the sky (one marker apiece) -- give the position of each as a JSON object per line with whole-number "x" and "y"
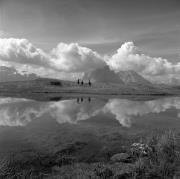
{"x": 101, "y": 26}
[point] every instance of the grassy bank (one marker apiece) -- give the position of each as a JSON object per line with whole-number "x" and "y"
{"x": 156, "y": 155}
{"x": 60, "y": 86}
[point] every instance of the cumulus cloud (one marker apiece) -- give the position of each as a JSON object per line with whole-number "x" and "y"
{"x": 64, "y": 58}
{"x": 23, "y": 52}
{"x": 72, "y": 60}
{"x": 127, "y": 57}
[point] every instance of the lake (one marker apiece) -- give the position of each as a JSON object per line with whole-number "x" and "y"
{"x": 39, "y": 133}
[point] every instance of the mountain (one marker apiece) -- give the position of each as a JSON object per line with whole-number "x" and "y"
{"x": 105, "y": 75}
{"x": 131, "y": 77}
{"x": 11, "y": 74}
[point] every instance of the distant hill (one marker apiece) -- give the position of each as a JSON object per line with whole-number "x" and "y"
{"x": 130, "y": 77}
{"x": 104, "y": 82}
{"x": 11, "y": 74}
{"x": 45, "y": 87}
{"x": 105, "y": 75}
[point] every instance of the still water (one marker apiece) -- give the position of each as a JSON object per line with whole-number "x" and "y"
{"x": 123, "y": 113}
{"x": 89, "y": 126}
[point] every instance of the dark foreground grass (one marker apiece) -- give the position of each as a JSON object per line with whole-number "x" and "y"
{"x": 161, "y": 159}
{"x": 155, "y": 156}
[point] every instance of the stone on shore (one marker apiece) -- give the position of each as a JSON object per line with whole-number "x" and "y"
{"x": 120, "y": 157}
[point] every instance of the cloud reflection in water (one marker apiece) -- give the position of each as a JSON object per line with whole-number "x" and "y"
{"x": 20, "y": 112}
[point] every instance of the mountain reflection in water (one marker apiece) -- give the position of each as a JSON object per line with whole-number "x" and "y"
{"x": 21, "y": 112}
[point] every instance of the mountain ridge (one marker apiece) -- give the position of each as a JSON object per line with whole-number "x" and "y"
{"x": 11, "y": 74}
{"x": 106, "y": 75}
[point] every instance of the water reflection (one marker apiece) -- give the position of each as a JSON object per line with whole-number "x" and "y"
{"x": 20, "y": 112}
{"x": 124, "y": 110}
{"x": 80, "y": 100}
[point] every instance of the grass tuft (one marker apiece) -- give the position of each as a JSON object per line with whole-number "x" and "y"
{"x": 162, "y": 161}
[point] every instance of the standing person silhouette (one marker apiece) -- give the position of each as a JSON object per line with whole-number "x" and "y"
{"x": 78, "y": 82}
{"x": 89, "y": 83}
{"x": 89, "y": 99}
{"x": 82, "y": 83}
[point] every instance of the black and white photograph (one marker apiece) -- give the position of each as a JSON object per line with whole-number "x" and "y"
{"x": 89, "y": 89}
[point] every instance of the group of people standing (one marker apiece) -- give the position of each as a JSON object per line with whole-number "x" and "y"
{"x": 81, "y": 82}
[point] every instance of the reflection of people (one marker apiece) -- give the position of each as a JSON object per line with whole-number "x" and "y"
{"x": 89, "y": 83}
{"x": 82, "y": 83}
{"x": 77, "y": 100}
{"x": 89, "y": 99}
